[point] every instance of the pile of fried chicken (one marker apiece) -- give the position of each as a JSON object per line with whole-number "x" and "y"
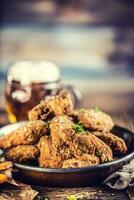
{"x": 56, "y": 136}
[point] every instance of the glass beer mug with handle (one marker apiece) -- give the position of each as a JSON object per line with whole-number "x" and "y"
{"x": 28, "y": 82}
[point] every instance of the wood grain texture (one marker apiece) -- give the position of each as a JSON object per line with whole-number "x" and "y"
{"x": 88, "y": 193}
{"x": 92, "y": 193}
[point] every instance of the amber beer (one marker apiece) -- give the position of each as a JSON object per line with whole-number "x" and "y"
{"x": 28, "y": 82}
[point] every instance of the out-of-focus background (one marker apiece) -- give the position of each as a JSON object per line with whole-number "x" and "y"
{"x": 92, "y": 42}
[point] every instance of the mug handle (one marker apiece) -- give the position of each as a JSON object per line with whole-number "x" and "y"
{"x": 76, "y": 94}
{"x": 22, "y": 95}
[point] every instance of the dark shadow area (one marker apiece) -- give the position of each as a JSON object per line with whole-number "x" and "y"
{"x": 114, "y": 12}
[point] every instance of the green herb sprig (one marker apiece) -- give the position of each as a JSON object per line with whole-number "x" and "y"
{"x": 96, "y": 109}
{"x": 98, "y": 153}
{"x": 39, "y": 197}
{"x": 47, "y": 124}
{"x": 78, "y": 127}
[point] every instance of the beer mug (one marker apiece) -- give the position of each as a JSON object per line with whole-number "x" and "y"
{"x": 28, "y": 82}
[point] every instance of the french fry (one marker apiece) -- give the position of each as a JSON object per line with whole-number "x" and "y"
{"x": 3, "y": 178}
{"x": 4, "y": 168}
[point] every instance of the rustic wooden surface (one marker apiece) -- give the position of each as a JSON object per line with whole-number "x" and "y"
{"x": 88, "y": 193}
{"x": 46, "y": 193}
{"x": 85, "y": 193}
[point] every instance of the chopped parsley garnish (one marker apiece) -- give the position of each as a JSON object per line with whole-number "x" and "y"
{"x": 106, "y": 160}
{"x": 82, "y": 110}
{"x": 78, "y": 127}
{"x": 96, "y": 109}
{"x": 98, "y": 153}
{"x": 41, "y": 198}
{"x": 47, "y": 124}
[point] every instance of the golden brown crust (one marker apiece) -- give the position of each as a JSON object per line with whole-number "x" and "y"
{"x": 83, "y": 161}
{"x": 61, "y": 130}
{"x": 22, "y": 153}
{"x": 27, "y": 134}
{"x": 70, "y": 144}
{"x": 55, "y": 106}
{"x": 63, "y": 137}
{"x": 48, "y": 157}
{"x": 94, "y": 120}
{"x": 88, "y": 143}
{"x": 117, "y": 144}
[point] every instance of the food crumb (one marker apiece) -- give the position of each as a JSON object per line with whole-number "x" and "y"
{"x": 74, "y": 197}
{"x": 41, "y": 198}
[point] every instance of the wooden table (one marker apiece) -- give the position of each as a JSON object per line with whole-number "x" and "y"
{"x": 87, "y": 193}
{"x": 95, "y": 192}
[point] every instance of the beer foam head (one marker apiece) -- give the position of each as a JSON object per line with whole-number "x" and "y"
{"x": 28, "y": 72}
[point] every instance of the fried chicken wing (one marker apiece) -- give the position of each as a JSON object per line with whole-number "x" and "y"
{"x": 22, "y": 153}
{"x": 71, "y": 144}
{"x": 61, "y": 130}
{"x": 48, "y": 157}
{"x": 117, "y": 144}
{"x": 55, "y": 106}
{"x": 94, "y": 119}
{"x": 27, "y": 134}
{"x": 51, "y": 158}
{"x": 89, "y": 143}
{"x": 63, "y": 137}
{"x": 45, "y": 151}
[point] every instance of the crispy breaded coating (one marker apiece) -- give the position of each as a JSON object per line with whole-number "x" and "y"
{"x": 90, "y": 144}
{"x": 74, "y": 163}
{"x": 89, "y": 158}
{"x": 63, "y": 137}
{"x": 54, "y": 156}
{"x": 55, "y": 106}
{"x": 117, "y": 144}
{"x": 26, "y": 134}
{"x": 48, "y": 157}
{"x": 61, "y": 130}
{"x": 22, "y": 153}
{"x": 45, "y": 151}
{"x": 83, "y": 161}
{"x": 94, "y": 119}
{"x": 70, "y": 144}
